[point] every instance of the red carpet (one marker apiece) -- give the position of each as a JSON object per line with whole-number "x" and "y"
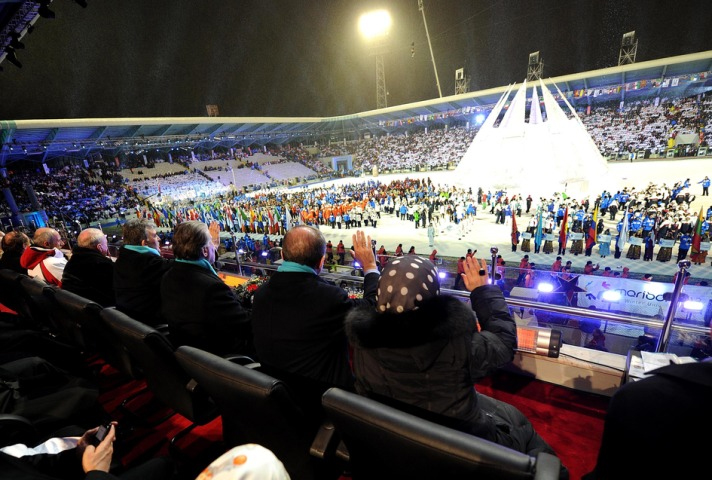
{"x": 569, "y": 420}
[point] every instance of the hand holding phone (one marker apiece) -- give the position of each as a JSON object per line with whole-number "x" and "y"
{"x": 100, "y": 434}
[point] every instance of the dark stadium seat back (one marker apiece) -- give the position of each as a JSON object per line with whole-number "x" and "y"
{"x": 384, "y": 442}
{"x": 258, "y": 408}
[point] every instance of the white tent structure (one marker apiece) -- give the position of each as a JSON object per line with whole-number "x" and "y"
{"x": 542, "y": 154}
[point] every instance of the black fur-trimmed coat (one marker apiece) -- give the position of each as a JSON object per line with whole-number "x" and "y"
{"x": 431, "y": 357}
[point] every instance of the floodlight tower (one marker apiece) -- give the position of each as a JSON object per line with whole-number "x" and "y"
{"x": 375, "y": 26}
{"x": 462, "y": 82}
{"x": 535, "y": 68}
{"x": 629, "y": 48}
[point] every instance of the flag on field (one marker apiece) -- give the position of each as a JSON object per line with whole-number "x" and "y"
{"x": 288, "y": 219}
{"x": 591, "y": 239}
{"x": 623, "y": 237}
{"x": 697, "y": 236}
{"x": 515, "y": 236}
{"x": 539, "y": 231}
{"x": 562, "y": 232}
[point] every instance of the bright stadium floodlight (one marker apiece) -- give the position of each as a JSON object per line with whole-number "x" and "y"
{"x": 545, "y": 287}
{"x": 375, "y": 24}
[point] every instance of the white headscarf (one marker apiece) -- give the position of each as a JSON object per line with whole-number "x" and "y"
{"x": 246, "y": 462}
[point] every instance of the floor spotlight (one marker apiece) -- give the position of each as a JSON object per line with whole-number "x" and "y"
{"x": 11, "y": 57}
{"x": 44, "y": 10}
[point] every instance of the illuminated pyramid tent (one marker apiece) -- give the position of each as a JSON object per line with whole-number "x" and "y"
{"x": 539, "y": 154}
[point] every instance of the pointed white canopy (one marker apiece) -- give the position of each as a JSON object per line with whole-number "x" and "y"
{"x": 545, "y": 153}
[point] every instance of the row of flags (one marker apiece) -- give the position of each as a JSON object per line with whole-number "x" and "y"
{"x": 227, "y": 215}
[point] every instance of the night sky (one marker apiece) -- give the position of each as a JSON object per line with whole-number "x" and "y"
{"x": 302, "y": 58}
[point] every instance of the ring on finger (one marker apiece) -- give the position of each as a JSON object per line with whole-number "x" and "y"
{"x": 482, "y": 272}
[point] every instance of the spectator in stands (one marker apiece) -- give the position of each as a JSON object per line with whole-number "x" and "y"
{"x": 138, "y": 271}
{"x": 89, "y": 272}
{"x": 44, "y": 260}
{"x": 199, "y": 308}
{"x": 669, "y": 407}
{"x": 423, "y": 351}
{"x": 13, "y": 244}
{"x": 297, "y": 317}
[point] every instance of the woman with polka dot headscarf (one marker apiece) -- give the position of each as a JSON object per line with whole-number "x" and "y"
{"x": 422, "y": 351}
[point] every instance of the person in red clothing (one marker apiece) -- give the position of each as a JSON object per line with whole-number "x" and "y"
{"x": 590, "y": 268}
{"x": 556, "y": 266}
{"x": 523, "y": 266}
{"x": 341, "y": 252}
{"x": 329, "y": 252}
{"x": 433, "y": 257}
{"x": 399, "y": 250}
{"x": 460, "y": 271}
{"x": 382, "y": 256}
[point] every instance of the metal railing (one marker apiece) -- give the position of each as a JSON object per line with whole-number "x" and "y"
{"x": 647, "y": 324}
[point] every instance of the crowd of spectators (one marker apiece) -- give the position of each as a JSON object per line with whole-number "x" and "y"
{"x": 95, "y": 194}
{"x": 647, "y": 124}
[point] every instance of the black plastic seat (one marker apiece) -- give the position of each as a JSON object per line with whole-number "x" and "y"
{"x": 70, "y": 313}
{"x": 384, "y": 442}
{"x": 38, "y": 304}
{"x": 11, "y": 293}
{"x": 107, "y": 344}
{"x": 258, "y": 408}
{"x": 165, "y": 378}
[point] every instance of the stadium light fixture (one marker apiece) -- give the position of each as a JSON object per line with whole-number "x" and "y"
{"x": 375, "y": 24}
{"x": 374, "y": 27}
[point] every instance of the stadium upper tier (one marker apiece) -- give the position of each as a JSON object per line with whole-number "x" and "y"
{"x": 44, "y": 140}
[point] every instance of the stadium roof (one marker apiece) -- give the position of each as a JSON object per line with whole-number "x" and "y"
{"x": 44, "y": 140}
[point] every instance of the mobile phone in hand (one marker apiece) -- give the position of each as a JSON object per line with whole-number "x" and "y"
{"x": 100, "y": 434}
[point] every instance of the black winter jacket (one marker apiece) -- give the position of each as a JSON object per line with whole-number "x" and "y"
{"x": 430, "y": 357}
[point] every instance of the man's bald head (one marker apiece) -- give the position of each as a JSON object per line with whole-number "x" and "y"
{"x": 90, "y": 238}
{"x": 304, "y": 245}
{"x": 46, "y": 237}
